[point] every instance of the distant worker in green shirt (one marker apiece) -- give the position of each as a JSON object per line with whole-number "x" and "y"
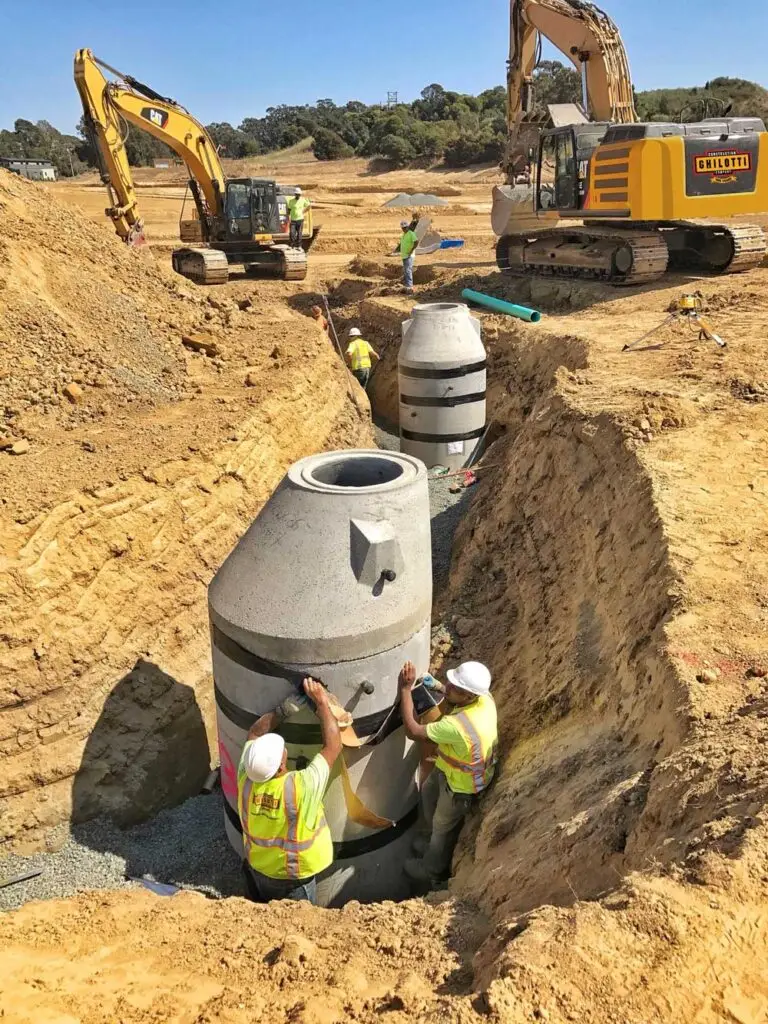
{"x": 298, "y": 205}
{"x": 407, "y": 251}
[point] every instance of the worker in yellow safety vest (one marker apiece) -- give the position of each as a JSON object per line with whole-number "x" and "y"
{"x": 286, "y": 838}
{"x": 466, "y": 739}
{"x": 359, "y": 356}
{"x": 298, "y": 205}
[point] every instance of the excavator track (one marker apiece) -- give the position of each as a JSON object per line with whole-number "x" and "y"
{"x": 615, "y": 256}
{"x": 716, "y": 248}
{"x": 293, "y": 263}
{"x": 203, "y": 266}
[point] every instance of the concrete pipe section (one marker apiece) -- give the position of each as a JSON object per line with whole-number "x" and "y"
{"x": 333, "y": 579}
{"x": 441, "y": 370}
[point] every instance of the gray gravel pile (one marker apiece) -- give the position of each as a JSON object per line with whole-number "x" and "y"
{"x": 185, "y": 846}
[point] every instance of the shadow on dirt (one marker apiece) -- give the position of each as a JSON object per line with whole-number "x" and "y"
{"x": 137, "y": 793}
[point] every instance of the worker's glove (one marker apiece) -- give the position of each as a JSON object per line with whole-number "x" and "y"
{"x": 290, "y": 706}
{"x": 430, "y": 682}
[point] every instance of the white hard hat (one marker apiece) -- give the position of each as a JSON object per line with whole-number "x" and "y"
{"x": 355, "y": 333}
{"x": 471, "y": 676}
{"x": 263, "y": 757}
{"x": 404, "y": 223}
{"x": 298, "y": 190}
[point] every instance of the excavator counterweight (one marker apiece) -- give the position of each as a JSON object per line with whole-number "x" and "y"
{"x": 610, "y": 198}
{"x": 240, "y": 221}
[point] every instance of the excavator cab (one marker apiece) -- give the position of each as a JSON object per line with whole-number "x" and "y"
{"x": 251, "y": 208}
{"x": 563, "y": 169}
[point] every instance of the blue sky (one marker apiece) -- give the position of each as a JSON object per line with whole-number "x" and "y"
{"x": 225, "y": 62}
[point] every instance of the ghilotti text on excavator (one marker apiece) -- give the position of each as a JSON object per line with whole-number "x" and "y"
{"x": 241, "y": 221}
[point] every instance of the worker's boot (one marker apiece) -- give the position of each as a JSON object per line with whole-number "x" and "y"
{"x": 415, "y": 869}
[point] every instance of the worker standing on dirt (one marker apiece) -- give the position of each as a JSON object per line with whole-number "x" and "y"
{"x": 298, "y": 205}
{"x": 466, "y": 738}
{"x": 359, "y": 356}
{"x": 407, "y": 250}
{"x": 286, "y": 838}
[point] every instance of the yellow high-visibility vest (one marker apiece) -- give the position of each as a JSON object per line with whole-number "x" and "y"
{"x": 297, "y": 207}
{"x": 359, "y": 354}
{"x": 278, "y": 842}
{"x": 471, "y": 772}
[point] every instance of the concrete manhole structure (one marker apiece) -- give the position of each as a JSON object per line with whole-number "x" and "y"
{"x": 333, "y": 579}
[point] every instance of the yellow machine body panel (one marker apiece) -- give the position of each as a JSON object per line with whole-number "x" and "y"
{"x": 679, "y": 179}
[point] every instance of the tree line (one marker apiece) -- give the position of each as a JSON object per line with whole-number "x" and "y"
{"x": 456, "y": 129}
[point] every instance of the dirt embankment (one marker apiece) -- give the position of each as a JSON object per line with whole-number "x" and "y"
{"x": 124, "y": 501}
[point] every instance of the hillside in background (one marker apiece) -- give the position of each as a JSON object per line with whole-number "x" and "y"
{"x": 454, "y": 128}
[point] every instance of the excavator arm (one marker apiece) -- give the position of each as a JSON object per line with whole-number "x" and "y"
{"x": 590, "y": 40}
{"x": 107, "y": 105}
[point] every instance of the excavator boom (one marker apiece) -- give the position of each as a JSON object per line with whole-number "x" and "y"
{"x": 108, "y": 104}
{"x": 590, "y": 40}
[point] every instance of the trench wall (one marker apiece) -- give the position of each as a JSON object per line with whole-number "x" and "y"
{"x": 106, "y": 705}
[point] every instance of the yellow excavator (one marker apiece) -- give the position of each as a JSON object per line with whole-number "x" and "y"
{"x": 612, "y": 198}
{"x": 240, "y": 221}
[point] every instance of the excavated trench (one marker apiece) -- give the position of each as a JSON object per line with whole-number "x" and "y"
{"x": 560, "y": 582}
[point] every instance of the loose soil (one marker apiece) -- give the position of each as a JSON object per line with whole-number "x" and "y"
{"x": 612, "y": 570}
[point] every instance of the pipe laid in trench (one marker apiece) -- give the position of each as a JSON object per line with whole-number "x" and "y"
{"x": 532, "y": 316}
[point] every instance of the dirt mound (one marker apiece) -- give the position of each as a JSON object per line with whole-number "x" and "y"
{"x": 141, "y": 463}
{"x": 88, "y": 325}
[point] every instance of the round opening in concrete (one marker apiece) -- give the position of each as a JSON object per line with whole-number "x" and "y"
{"x": 427, "y": 308}
{"x": 356, "y": 471}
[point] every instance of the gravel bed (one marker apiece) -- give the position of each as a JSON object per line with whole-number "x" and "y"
{"x": 185, "y": 846}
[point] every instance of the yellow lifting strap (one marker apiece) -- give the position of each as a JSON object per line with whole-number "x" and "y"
{"x": 356, "y": 809}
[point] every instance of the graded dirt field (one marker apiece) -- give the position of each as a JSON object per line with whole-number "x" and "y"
{"x": 612, "y": 571}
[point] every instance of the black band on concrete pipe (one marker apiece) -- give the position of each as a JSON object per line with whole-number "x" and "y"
{"x": 443, "y": 402}
{"x": 349, "y": 848}
{"x": 414, "y": 435}
{"x": 308, "y": 734}
{"x": 419, "y": 373}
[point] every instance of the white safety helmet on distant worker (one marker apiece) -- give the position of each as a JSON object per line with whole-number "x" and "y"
{"x": 263, "y": 757}
{"x": 298, "y": 190}
{"x": 471, "y": 676}
{"x": 355, "y": 333}
{"x": 405, "y": 224}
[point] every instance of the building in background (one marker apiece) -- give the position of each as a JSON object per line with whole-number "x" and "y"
{"x": 36, "y": 170}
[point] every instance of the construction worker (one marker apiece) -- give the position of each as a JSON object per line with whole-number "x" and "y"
{"x": 359, "y": 356}
{"x": 286, "y": 838}
{"x": 298, "y": 205}
{"x": 407, "y": 249}
{"x": 317, "y": 314}
{"x": 466, "y": 739}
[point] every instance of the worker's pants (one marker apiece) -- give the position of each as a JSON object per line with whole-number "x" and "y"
{"x": 362, "y": 376}
{"x": 408, "y": 262}
{"x": 297, "y": 231}
{"x": 443, "y": 814}
{"x": 262, "y": 889}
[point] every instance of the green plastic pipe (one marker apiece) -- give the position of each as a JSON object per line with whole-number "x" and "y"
{"x": 500, "y": 306}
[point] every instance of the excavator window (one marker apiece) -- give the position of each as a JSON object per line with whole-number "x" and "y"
{"x": 558, "y": 183}
{"x": 238, "y": 208}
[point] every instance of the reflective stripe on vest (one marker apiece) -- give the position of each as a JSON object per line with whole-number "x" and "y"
{"x": 298, "y": 858}
{"x": 360, "y": 355}
{"x": 474, "y": 774}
